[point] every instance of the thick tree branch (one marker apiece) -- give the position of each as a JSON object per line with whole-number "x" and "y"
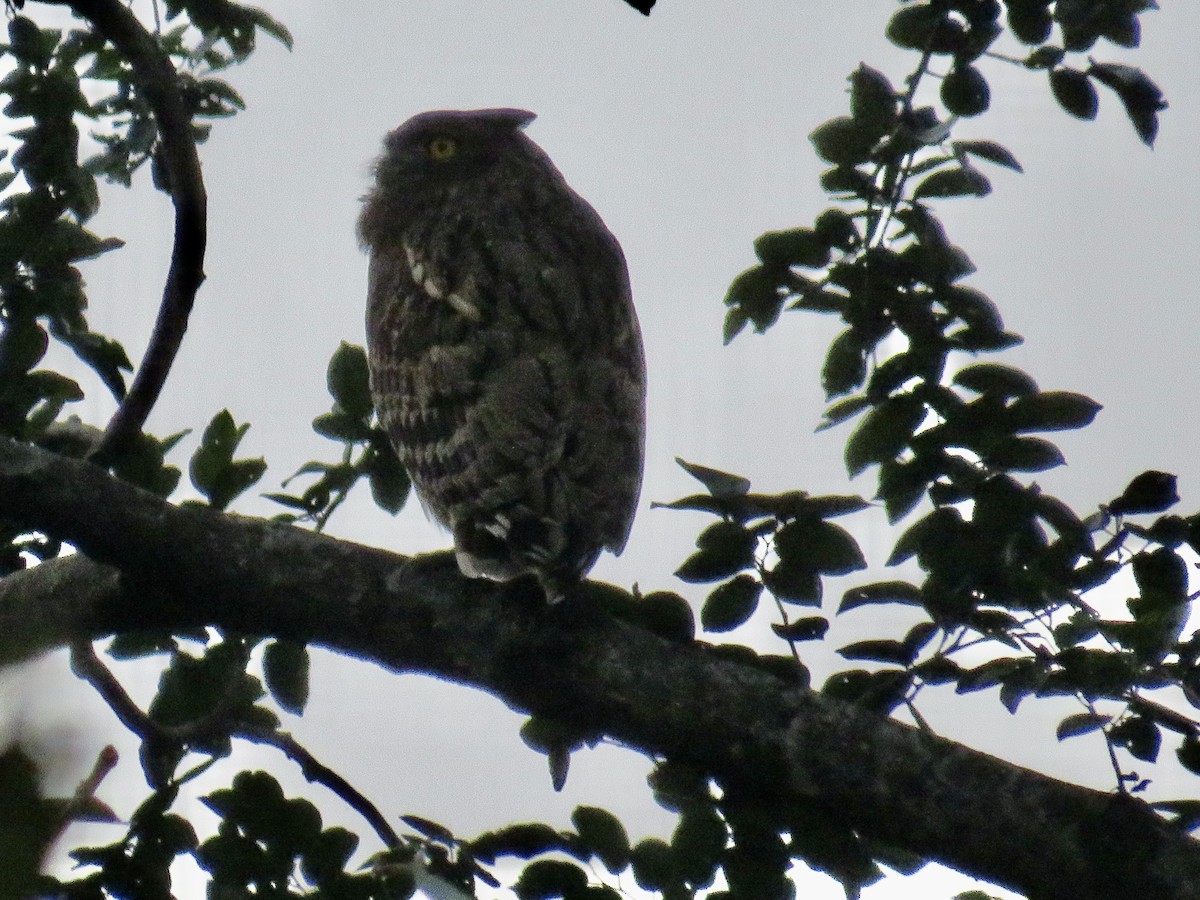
{"x": 164, "y": 91}
{"x": 187, "y": 566}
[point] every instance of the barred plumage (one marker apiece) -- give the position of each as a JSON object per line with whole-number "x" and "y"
{"x": 505, "y": 356}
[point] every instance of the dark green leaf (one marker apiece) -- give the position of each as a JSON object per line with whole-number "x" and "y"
{"x": 837, "y": 229}
{"x": 654, "y": 866}
{"x": 873, "y": 100}
{"x": 603, "y": 834}
{"x": 820, "y": 546}
{"x": 523, "y": 841}
{"x": 1074, "y": 92}
{"x": 795, "y": 247}
{"x": 1139, "y": 735}
{"x": 389, "y": 481}
{"x": 809, "y": 628}
{"x": 900, "y": 592}
{"x": 845, "y": 364}
{"x": 965, "y": 91}
{"x": 843, "y": 141}
{"x": 348, "y": 380}
{"x": 754, "y": 296}
{"x": 1141, "y": 97}
{"x": 996, "y": 379}
{"x": 731, "y": 604}
{"x": 1152, "y": 491}
{"x": 715, "y": 564}
{"x": 958, "y": 182}
{"x": 844, "y": 409}
{"x": 666, "y": 614}
{"x": 884, "y": 432}
{"x": 1081, "y": 723}
{"x": 1024, "y": 454}
{"x": 1051, "y": 411}
{"x": 717, "y": 483}
{"x": 1189, "y": 754}
{"x": 989, "y": 150}
{"x": 545, "y": 878}
{"x": 794, "y": 583}
{"x": 914, "y": 25}
{"x": 878, "y": 651}
{"x": 285, "y": 670}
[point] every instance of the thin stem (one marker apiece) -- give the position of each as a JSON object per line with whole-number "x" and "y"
{"x": 158, "y": 81}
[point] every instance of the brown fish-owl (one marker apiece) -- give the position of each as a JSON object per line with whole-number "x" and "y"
{"x": 505, "y": 356}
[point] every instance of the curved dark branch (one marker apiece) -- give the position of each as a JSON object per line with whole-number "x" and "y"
{"x": 187, "y": 566}
{"x": 160, "y": 84}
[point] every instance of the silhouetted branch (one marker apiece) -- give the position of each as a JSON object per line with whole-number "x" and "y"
{"x": 158, "y": 81}
{"x": 183, "y": 567}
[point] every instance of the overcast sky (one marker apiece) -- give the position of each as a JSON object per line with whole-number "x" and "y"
{"x": 688, "y": 133}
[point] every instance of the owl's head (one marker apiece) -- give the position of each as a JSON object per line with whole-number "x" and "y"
{"x": 444, "y": 146}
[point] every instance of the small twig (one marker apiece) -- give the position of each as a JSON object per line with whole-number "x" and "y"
{"x": 160, "y": 84}
{"x": 319, "y": 773}
{"x": 88, "y": 666}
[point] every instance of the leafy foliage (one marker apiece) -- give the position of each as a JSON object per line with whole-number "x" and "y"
{"x": 1008, "y": 574}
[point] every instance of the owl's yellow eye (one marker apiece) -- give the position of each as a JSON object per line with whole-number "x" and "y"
{"x": 441, "y": 148}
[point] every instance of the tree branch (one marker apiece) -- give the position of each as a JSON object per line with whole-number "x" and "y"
{"x": 160, "y": 84}
{"x": 188, "y": 566}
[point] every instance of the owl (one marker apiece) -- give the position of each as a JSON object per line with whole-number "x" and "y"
{"x": 505, "y": 356}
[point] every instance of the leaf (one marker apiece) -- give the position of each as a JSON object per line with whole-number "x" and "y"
{"x": 996, "y": 379}
{"x": 794, "y": 247}
{"x": 523, "y": 840}
{"x": 725, "y": 548}
{"x": 389, "y": 481}
{"x": 1150, "y": 492}
{"x": 1024, "y": 454}
{"x": 1139, "y": 735}
{"x": 546, "y": 878}
{"x": 845, "y": 364}
{"x": 965, "y": 91}
{"x": 958, "y": 182}
{"x": 348, "y": 380}
{"x": 836, "y": 228}
{"x": 718, "y": 483}
{"x": 884, "y": 432}
{"x": 878, "y": 651}
{"x": 603, "y": 834}
{"x": 285, "y": 670}
{"x": 1080, "y": 723}
{"x": 843, "y": 141}
{"x": 1141, "y": 97}
{"x": 754, "y": 296}
{"x": 913, "y": 27}
{"x": 214, "y": 472}
{"x": 820, "y": 546}
{"x": 1051, "y": 411}
{"x": 1074, "y": 92}
{"x": 989, "y": 150}
{"x": 794, "y": 583}
{"x": 899, "y": 592}
{"x": 809, "y": 628}
{"x": 1189, "y": 754}
{"x": 873, "y": 100}
{"x": 843, "y": 410}
{"x": 731, "y": 604}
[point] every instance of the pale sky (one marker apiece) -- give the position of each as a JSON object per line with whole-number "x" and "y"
{"x": 688, "y": 133}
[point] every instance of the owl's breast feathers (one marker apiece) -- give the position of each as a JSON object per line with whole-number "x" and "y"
{"x": 507, "y": 369}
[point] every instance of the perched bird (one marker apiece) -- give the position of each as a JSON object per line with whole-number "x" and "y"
{"x": 505, "y": 356}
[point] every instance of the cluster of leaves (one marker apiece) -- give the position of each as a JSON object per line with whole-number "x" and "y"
{"x": 1006, "y": 565}
{"x": 366, "y": 451}
{"x": 49, "y": 196}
